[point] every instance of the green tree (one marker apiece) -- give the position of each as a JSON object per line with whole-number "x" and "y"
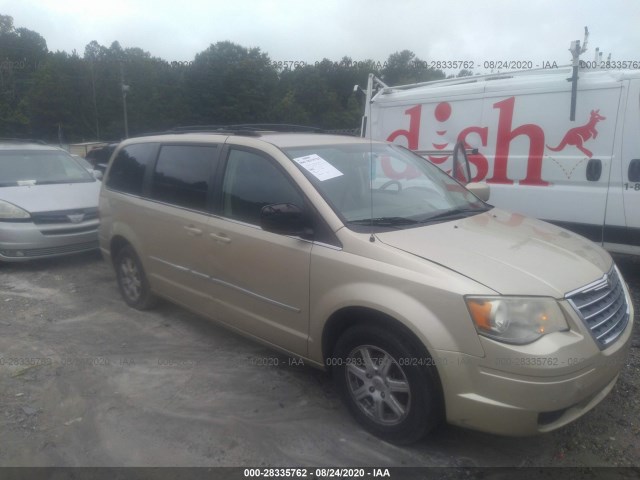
{"x": 405, "y": 68}
{"x": 228, "y": 83}
{"x": 42, "y": 93}
{"x": 22, "y": 52}
{"x": 322, "y": 94}
{"x": 155, "y": 96}
{"x": 58, "y": 104}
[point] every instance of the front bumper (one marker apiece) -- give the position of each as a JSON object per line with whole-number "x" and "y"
{"x": 23, "y": 241}
{"x": 531, "y": 389}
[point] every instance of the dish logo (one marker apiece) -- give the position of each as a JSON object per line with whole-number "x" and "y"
{"x": 505, "y": 134}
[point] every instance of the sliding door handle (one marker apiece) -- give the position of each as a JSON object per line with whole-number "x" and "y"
{"x": 220, "y": 237}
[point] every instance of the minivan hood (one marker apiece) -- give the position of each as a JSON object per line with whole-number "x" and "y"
{"x": 507, "y": 252}
{"x": 59, "y": 196}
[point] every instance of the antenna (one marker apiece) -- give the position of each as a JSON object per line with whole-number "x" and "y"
{"x": 372, "y": 237}
{"x": 365, "y": 118}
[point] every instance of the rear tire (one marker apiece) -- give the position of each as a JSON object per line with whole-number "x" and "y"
{"x": 389, "y": 386}
{"x": 132, "y": 280}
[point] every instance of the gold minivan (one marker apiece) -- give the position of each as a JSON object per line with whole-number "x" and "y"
{"x": 424, "y": 302}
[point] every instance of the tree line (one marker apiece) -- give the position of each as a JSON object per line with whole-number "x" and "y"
{"x": 68, "y": 97}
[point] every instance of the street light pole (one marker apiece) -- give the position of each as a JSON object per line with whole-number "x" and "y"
{"x": 95, "y": 102}
{"x": 125, "y": 89}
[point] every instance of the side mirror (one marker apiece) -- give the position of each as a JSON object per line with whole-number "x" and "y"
{"x": 97, "y": 174}
{"x": 480, "y": 190}
{"x": 285, "y": 219}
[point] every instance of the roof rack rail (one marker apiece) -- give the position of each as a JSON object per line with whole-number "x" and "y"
{"x": 202, "y": 129}
{"x": 561, "y": 69}
{"x": 213, "y": 129}
{"x": 22, "y": 140}
{"x": 248, "y": 129}
{"x": 251, "y": 127}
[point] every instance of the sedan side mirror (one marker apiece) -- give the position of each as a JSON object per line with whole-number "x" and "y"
{"x": 285, "y": 219}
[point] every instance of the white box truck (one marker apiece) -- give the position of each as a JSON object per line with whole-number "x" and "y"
{"x": 583, "y": 175}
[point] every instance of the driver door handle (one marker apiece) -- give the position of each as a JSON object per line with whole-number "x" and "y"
{"x": 220, "y": 237}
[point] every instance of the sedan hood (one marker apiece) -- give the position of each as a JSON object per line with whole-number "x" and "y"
{"x": 507, "y": 252}
{"x": 46, "y": 198}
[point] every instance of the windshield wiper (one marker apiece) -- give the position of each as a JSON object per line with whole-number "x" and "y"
{"x": 384, "y": 221}
{"x": 454, "y": 213}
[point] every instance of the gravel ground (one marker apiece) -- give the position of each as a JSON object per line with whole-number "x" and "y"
{"x": 87, "y": 381}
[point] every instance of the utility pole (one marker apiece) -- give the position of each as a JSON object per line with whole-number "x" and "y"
{"x": 95, "y": 102}
{"x": 125, "y": 89}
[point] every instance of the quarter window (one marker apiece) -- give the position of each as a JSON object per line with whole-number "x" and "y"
{"x": 252, "y": 181}
{"x": 183, "y": 175}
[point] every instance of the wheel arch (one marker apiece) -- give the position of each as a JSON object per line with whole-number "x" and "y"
{"x": 121, "y": 235}
{"x": 117, "y": 243}
{"x": 343, "y": 319}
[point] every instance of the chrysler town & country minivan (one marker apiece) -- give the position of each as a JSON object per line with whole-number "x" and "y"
{"x": 362, "y": 258}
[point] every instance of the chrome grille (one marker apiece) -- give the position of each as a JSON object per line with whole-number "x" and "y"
{"x": 603, "y": 307}
{"x": 64, "y": 216}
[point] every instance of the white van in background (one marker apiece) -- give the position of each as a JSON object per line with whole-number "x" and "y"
{"x": 583, "y": 175}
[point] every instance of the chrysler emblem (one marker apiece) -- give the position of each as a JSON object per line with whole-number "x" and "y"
{"x": 76, "y": 218}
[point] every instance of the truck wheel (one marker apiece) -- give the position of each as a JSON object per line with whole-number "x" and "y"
{"x": 132, "y": 280}
{"x": 390, "y": 388}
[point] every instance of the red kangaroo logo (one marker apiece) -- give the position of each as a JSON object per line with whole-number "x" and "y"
{"x": 578, "y": 135}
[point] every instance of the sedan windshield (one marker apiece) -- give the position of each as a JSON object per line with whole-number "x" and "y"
{"x": 36, "y": 167}
{"x": 383, "y": 186}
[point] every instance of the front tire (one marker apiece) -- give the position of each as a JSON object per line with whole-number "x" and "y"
{"x": 390, "y": 388}
{"x": 132, "y": 280}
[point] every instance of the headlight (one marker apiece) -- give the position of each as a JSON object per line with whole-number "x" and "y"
{"x": 8, "y": 211}
{"x": 516, "y": 320}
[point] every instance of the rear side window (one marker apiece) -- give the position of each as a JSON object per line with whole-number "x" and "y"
{"x": 127, "y": 172}
{"x": 183, "y": 175}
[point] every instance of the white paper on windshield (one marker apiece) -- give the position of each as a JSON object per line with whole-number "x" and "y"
{"x": 318, "y": 167}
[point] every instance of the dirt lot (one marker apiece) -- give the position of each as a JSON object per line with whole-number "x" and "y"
{"x": 85, "y": 380}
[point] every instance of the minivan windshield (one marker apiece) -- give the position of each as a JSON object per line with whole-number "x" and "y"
{"x": 37, "y": 167}
{"x": 383, "y": 186}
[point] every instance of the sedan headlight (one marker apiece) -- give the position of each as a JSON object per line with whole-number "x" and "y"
{"x": 517, "y": 320}
{"x": 8, "y": 211}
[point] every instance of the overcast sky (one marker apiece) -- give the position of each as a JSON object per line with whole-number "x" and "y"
{"x": 310, "y": 30}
